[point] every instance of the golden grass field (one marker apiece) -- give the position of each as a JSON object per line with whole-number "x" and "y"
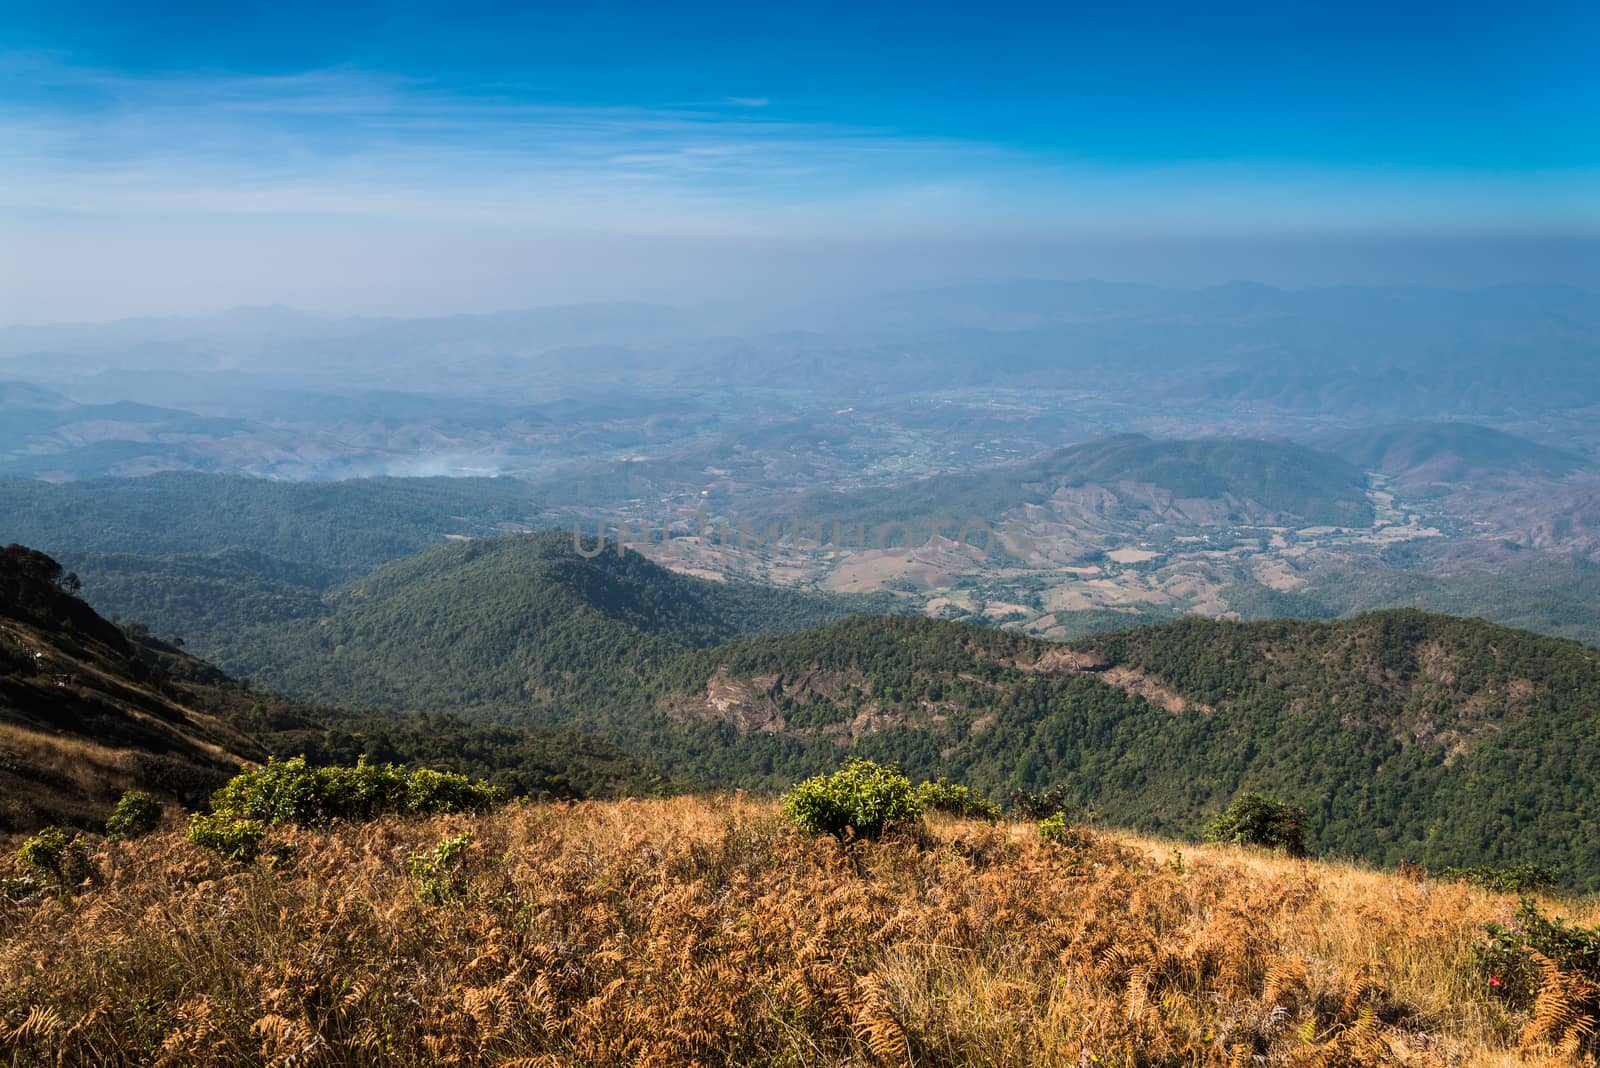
{"x": 704, "y": 931}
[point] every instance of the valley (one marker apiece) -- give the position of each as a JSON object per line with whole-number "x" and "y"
{"x": 1049, "y": 456}
{"x": 706, "y": 554}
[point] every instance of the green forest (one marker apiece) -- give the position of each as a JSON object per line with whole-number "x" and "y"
{"x": 1405, "y": 735}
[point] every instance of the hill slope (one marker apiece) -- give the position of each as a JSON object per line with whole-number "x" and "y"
{"x": 1444, "y": 456}
{"x": 525, "y": 623}
{"x": 347, "y": 526}
{"x": 704, "y": 931}
{"x": 1405, "y": 735}
{"x": 88, "y": 710}
{"x": 83, "y": 716}
{"x": 202, "y": 557}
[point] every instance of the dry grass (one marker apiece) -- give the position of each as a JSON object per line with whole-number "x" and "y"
{"x": 703, "y": 932}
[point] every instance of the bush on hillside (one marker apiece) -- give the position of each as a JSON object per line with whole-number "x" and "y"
{"x": 441, "y": 874}
{"x": 291, "y": 791}
{"x": 1519, "y": 879}
{"x": 1058, "y": 829}
{"x": 136, "y": 815}
{"x": 234, "y": 838}
{"x": 956, "y": 800}
{"x": 1254, "y": 820}
{"x": 59, "y": 855}
{"x": 1536, "y": 955}
{"x": 861, "y": 799}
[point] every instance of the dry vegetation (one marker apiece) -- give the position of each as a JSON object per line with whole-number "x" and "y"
{"x": 694, "y": 931}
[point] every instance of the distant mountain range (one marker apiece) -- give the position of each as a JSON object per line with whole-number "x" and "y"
{"x": 1133, "y": 480}
{"x": 1398, "y": 349}
{"x": 1460, "y": 517}
{"x": 1443, "y": 457}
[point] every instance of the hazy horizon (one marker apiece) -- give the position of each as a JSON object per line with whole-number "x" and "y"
{"x": 1308, "y": 267}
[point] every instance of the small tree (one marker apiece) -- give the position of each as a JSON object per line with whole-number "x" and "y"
{"x": 861, "y": 798}
{"x": 957, "y": 800}
{"x": 136, "y": 814}
{"x": 60, "y": 854}
{"x": 1254, "y": 820}
{"x": 1058, "y": 829}
{"x": 233, "y": 837}
{"x": 1043, "y": 805}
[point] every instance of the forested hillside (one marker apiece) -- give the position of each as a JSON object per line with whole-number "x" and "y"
{"x": 519, "y": 628}
{"x": 1448, "y": 455}
{"x": 346, "y": 526}
{"x": 1406, "y": 735}
{"x": 203, "y": 557}
{"x": 88, "y": 710}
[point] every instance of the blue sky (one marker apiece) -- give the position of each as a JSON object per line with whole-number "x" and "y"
{"x": 551, "y": 149}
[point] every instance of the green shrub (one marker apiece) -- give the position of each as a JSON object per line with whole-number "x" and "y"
{"x": 1254, "y": 820}
{"x": 861, "y": 799}
{"x": 1505, "y": 958}
{"x": 441, "y": 875}
{"x": 233, "y": 837}
{"x": 291, "y": 791}
{"x": 59, "y": 855}
{"x": 943, "y": 796}
{"x": 136, "y": 815}
{"x": 435, "y": 792}
{"x": 1060, "y": 830}
{"x": 284, "y": 791}
{"x": 1520, "y": 879}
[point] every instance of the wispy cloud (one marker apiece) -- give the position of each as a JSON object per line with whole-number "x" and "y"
{"x": 348, "y": 188}
{"x": 364, "y": 145}
{"x": 355, "y": 142}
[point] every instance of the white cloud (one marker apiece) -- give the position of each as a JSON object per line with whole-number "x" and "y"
{"x": 351, "y": 142}
{"x": 361, "y": 145}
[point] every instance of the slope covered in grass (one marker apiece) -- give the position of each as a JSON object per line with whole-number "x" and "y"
{"x": 705, "y": 931}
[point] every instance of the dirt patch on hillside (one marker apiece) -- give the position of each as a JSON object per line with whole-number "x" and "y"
{"x": 755, "y": 705}
{"x": 1063, "y": 660}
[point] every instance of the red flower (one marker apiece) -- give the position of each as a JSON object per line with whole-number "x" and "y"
{"x": 1494, "y": 980}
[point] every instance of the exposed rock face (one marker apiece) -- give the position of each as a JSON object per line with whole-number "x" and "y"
{"x": 1062, "y": 660}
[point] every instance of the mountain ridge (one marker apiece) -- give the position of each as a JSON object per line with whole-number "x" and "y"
{"x": 1392, "y": 727}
